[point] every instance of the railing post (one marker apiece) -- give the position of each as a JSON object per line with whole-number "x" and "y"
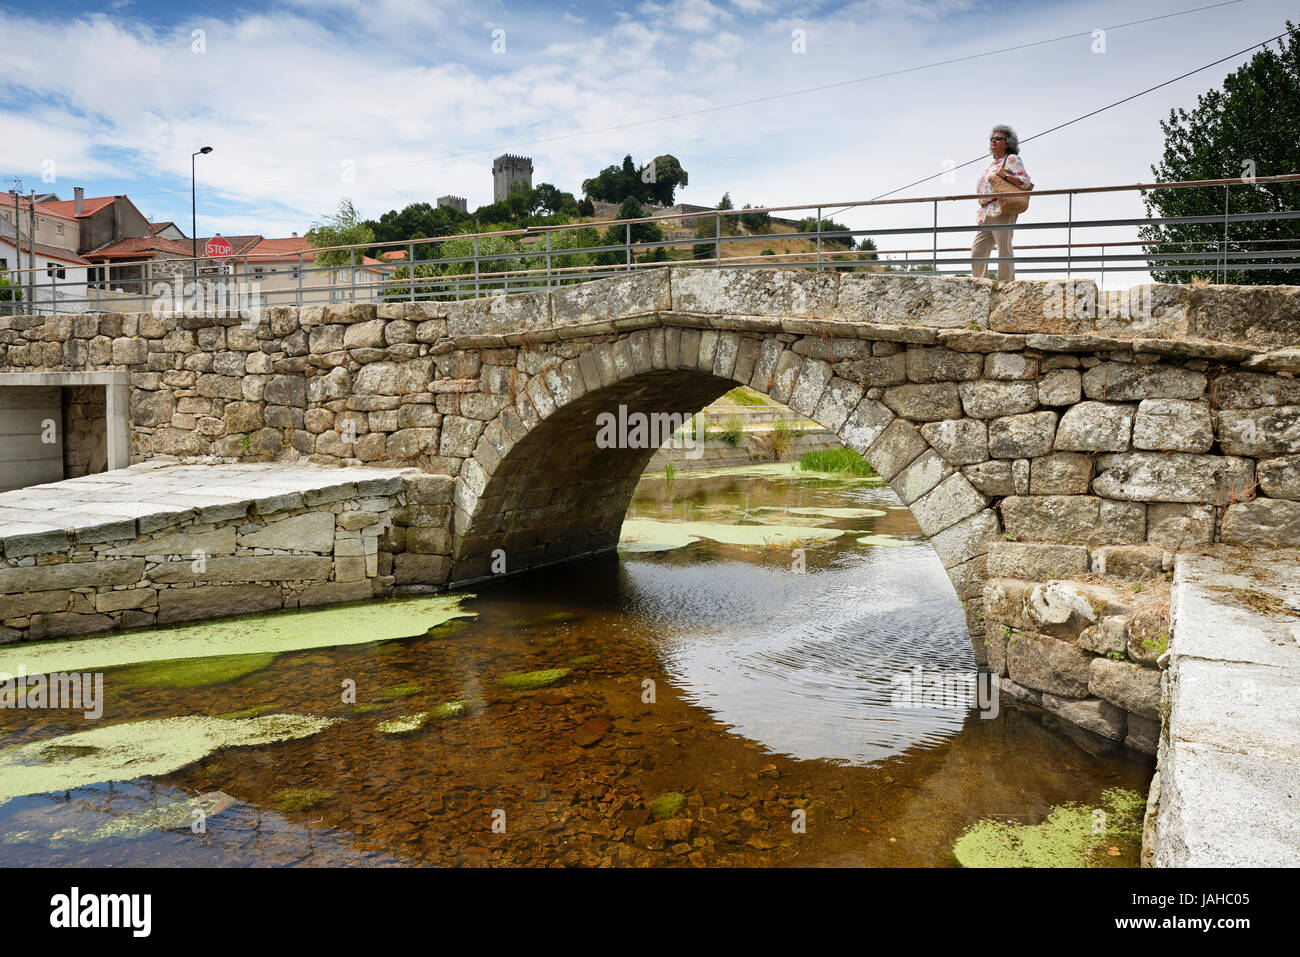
{"x": 548, "y": 259}
{"x": 1225, "y": 232}
{"x": 476, "y": 289}
{"x": 627, "y": 245}
{"x": 934, "y": 242}
{"x": 717, "y": 241}
{"x": 352, "y": 275}
{"x": 410, "y": 265}
{"x": 300, "y": 264}
{"x": 819, "y": 238}
{"x": 1069, "y": 235}
{"x": 1103, "y": 265}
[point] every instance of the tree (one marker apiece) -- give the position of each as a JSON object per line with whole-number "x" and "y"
{"x": 758, "y": 222}
{"x": 1246, "y": 128}
{"x": 655, "y": 182}
{"x": 809, "y": 224}
{"x": 341, "y": 229}
{"x": 725, "y": 202}
{"x": 10, "y": 291}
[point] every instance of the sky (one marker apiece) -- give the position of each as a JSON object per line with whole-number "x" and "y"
{"x": 389, "y": 102}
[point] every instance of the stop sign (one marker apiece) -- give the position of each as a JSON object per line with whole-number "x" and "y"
{"x": 218, "y": 248}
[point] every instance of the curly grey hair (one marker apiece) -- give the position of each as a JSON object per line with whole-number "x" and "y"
{"x": 1013, "y": 141}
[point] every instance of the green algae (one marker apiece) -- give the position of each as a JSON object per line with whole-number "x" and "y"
{"x": 1068, "y": 838}
{"x": 413, "y": 722}
{"x": 166, "y": 816}
{"x": 828, "y": 511}
{"x": 368, "y": 708}
{"x": 643, "y": 534}
{"x": 561, "y": 617}
{"x": 584, "y": 660}
{"x": 403, "y": 690}
{"x": 885, "y": 540}
{"x": 532, "y": 680}
{"x": 273, "y": 633}
{"x": 449, "y": 629}
{"x": 191, "y": 672}
{"x": 287, "y": 800}
{"x": 667, "y": 805}
{"x": 136, "y": 749}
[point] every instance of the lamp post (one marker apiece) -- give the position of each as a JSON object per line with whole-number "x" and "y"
{"x": 194, "y": 219}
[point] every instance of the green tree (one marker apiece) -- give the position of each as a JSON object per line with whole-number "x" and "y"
{"x": 1247, "y": 127}
{"x": 757, "y": 222}
{"x": 343, "y": 228}
{"x": 10, "y": 291}
{"x": 668, "y": 176}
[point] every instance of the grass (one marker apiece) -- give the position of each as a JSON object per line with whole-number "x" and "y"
{"x": 732, "y": 432}
{"x": 741, "y": 396}
{"x": 835, "y": 460}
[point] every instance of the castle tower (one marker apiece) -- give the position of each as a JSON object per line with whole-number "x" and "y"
{"x": 455, "y": 202}
{"x": 507, "y": 170}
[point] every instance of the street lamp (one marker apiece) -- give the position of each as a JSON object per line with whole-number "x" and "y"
{"x": 194, "y": 223}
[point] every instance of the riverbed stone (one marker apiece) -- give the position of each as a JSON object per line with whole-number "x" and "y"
{"x": 1022, "y": 436}
{"x": 1095, "y": 427}
{"x": 1172, "y": 477}
{"x": 1131, "y": 687}
{"x": 1173, "y": 425}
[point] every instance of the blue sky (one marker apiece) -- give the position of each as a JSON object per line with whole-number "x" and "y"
{"x": 390, "y": 102}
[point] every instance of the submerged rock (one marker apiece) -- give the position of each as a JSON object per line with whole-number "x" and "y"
{"x": 1072, "y": 836}
{"x": 530, "y": 680}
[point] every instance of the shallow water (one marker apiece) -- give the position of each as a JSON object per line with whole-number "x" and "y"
{"x": 773, "y": 666}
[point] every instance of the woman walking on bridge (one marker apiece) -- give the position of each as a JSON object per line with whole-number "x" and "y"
{"x": 1004, "y": 207}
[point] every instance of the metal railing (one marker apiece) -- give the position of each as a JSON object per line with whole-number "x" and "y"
{"x": 516, "y": 260}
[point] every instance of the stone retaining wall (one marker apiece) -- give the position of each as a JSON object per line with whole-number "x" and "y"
{"x": 332, "y": 541}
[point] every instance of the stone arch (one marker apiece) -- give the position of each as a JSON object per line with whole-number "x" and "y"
{"x": 539, "y": 487}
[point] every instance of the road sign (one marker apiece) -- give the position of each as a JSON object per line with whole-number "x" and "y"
{"x": 218, "y": 248}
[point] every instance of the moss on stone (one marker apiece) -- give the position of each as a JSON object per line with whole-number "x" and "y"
{"x": 404, "y": 690}
{"x": 1067, "y": 838}
{"x": 137, "y": 749}
{"x": 272, "y": 633}
{"x": 413, "y": 722}
{"x": 585, "y": 660}
{"x": 667, "y": 805}
{"x": 299, "y": 799}
{"x": 190, "y": 672}
{"x": 531, "y": 680}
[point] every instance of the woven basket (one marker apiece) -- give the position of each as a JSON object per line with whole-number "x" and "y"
{"x": 1011, "y": 199}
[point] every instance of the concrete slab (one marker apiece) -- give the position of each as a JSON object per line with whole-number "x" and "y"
{"x": 1229, "y": 757}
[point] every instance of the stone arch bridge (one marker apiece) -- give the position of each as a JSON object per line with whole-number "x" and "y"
{"x": 1055, "y": 448}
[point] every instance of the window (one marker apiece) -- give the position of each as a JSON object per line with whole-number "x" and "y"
{"x": 54, "y": 270}
{"x": 58, "y": 228}
{"x": 4, "y": 263}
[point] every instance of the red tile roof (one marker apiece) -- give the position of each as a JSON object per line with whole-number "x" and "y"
{"x": 66, "y": 207}
{"x": 24, "y": 203}
{"x": 141, "y": 247}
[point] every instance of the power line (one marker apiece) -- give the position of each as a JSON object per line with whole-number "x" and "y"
{"x": 1092, "y": 113}
{"x": 727, "y": 106}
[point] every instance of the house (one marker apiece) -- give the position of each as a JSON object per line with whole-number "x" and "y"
{"x": 284, "y": 270}
{"x": 167, "y": 230}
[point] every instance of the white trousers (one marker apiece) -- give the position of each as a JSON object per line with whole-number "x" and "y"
{"x": 984, "y": 241}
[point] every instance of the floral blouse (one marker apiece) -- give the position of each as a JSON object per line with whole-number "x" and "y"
{"x": 1014, "y": 168}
